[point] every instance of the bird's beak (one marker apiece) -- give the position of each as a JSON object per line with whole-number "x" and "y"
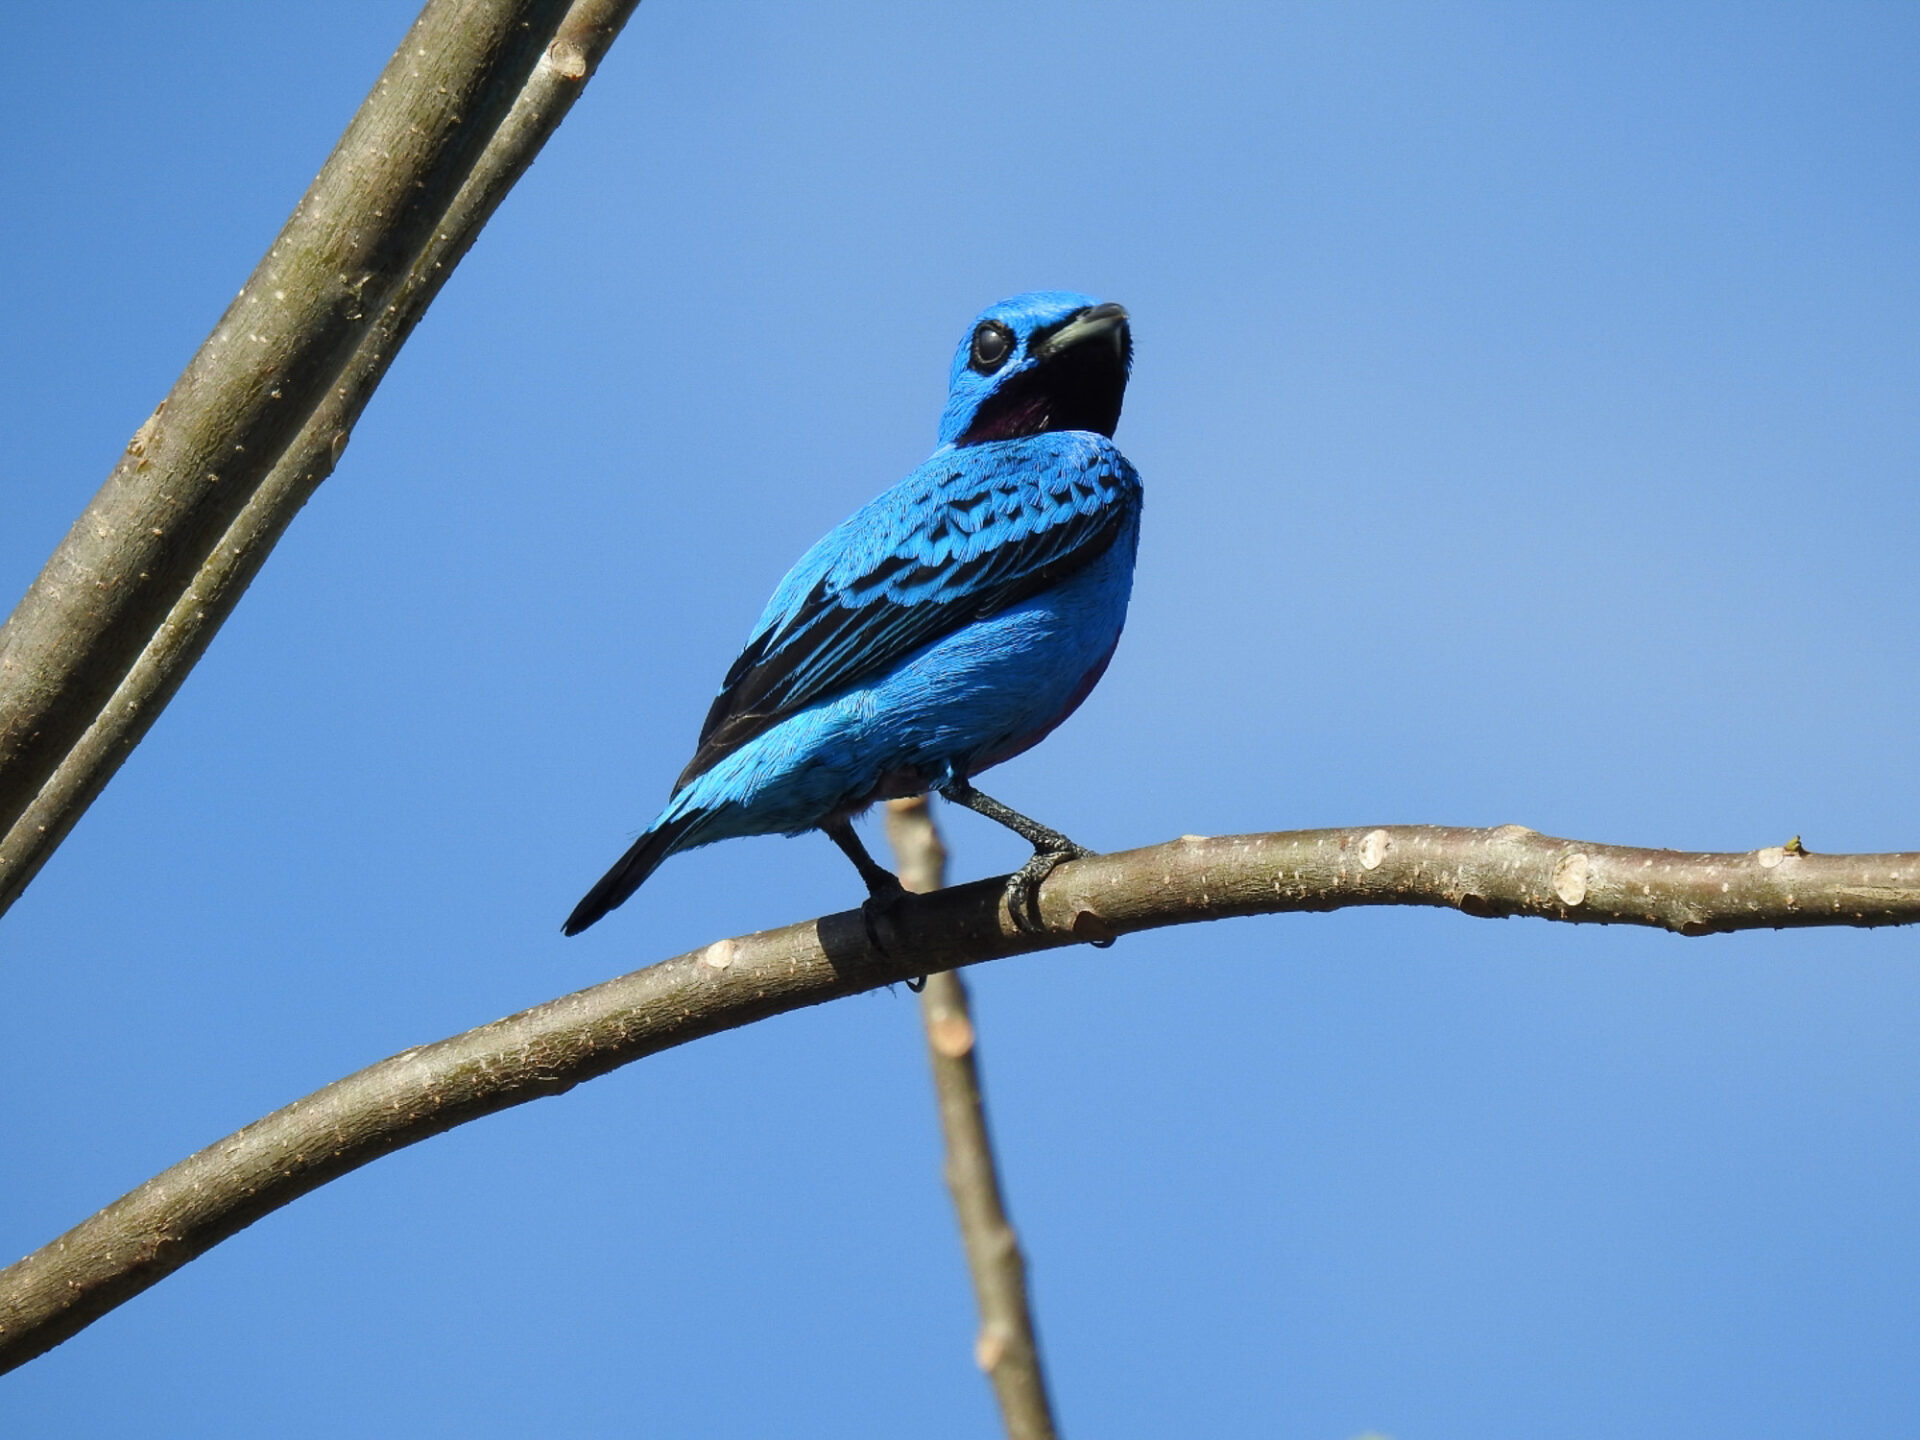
{"x": 1095, "y": 324}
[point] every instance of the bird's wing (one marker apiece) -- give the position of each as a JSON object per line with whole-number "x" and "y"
{"x": 966, "y": 536}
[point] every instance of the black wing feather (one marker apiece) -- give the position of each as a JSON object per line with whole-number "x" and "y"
{"x": 837, "y": 640}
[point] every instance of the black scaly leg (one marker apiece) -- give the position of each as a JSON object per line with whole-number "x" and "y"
{"x": 882, "y": 884}
{"x": 1050, "y": 848}
{"x": 884, "y": 889}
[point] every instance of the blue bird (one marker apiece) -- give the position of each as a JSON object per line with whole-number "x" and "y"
{"x": 948, "y": 625}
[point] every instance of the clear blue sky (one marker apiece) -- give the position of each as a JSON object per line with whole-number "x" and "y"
{"x": 1526, "y": 401}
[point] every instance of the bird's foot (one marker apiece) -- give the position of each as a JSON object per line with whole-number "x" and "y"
{"x": 1023, "y": 886}
{"x": 884, "y": 890}
{"x": 877, "y": 911}
{"x": 877, "y": 914}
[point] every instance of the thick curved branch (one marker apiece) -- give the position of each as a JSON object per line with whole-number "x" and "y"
{"x": 136, "y": 591}
{"x": 187, "y": 1209}
{"x": 1006, "y": 1349}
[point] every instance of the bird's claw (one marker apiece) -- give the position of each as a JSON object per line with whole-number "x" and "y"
{"x": 876, "y": 913}
{"x": 1023, "y": 886}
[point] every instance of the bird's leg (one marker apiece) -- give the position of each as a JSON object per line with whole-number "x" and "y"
{"x": 1050, "y": 848}
{"x": 883, "y": 886}
{"x": 882, "y": 883}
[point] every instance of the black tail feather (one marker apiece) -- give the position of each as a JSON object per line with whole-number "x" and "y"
{"x": 628, "y": 873}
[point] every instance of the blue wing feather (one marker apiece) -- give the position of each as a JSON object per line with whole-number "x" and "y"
{"x": 969, "y": 533}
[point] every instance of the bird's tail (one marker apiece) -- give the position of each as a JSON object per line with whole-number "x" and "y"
{"x": 631, "y": 870}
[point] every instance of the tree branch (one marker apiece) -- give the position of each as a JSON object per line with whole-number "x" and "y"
{"x": 1006, "y": 1347}
{"x": 134, "y": 594}
{"x": 191, "y": 1207}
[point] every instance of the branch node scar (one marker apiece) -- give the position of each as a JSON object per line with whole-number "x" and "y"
{"x": 951, "y": 1035}
{"x": 1570, "y": 879}
{"x": 990, "y": 1349}
{"x": 1373, "y": 849}
{"x": 568, "y": 60}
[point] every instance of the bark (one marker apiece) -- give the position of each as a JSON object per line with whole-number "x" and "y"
{"x": 187, "y": 1209}
{"x": 134, "y": 594}
{"x": 1006, "y": 1347}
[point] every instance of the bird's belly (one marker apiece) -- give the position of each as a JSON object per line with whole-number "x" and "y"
{"x": 965, "y": 702}
{"x": 992, "y": 690}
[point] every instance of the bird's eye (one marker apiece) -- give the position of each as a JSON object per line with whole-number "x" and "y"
{"x": 992, "y": 344}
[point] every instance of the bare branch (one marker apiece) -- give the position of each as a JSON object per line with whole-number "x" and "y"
{"x": 134, "y": 594}
{"x": 187, "y": 1209}
{"x": 1006, "y": 1348}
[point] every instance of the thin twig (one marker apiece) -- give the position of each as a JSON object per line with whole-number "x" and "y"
{"x": 185, "y": 1210}
{"x": 1006, "y": 1348}
{"x": 134, "y": 594}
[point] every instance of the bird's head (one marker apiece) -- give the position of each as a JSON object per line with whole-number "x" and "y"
{"x": 1045, "y": 360}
